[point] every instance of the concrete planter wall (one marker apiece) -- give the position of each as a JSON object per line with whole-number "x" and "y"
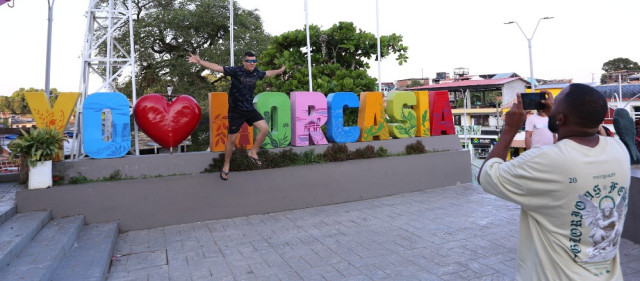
{"x": 155, "y": 202}
{"x": 196, "y": 162}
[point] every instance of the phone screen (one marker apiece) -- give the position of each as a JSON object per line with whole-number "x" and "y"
{"x": 531, "y": 101}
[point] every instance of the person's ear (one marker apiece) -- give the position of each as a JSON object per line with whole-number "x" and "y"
{"x": 560, "y": 120}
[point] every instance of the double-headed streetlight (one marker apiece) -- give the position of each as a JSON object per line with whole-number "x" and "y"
{"x": 531, "y": 79}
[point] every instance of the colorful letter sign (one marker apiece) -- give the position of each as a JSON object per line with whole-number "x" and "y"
{"x": 336, "y": 131}
{"x": 93, "y": 108}
{"x": 423, "y": 128}
{"x": 371, "y": 117}
{"x": 45, "y": 116}
{"x": 167, "y": 122}
{"x": 309, "y": 114}
{"x": 441, "y": 115}
{"x": 404, "y": 119}
{"x": 276, "y": 110}
{"x": 219, "y": 124}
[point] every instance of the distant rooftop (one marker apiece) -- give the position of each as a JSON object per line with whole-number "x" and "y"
{"x": 467, "y": 84}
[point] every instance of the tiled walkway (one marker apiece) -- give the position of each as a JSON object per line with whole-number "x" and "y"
{"x": 452, "y": 233}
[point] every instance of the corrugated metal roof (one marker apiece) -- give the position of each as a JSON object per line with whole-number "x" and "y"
{"x": 467, "y": 83}
{"x": 551, "y": 86}
{"x": 628, "y": 90}
{"x": 503, "y": 75}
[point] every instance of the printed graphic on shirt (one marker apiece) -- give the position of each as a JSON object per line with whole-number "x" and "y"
{"x": 598, "y": 213}
{"x": 541, "y": 126}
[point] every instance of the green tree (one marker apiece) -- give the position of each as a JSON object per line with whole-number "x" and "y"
{"x": 618, "y": 64}
{"x": 17, "y": 103}
{"x": 339, "y": 58}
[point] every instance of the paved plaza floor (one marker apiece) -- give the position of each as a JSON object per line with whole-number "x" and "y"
{"x": 452, "y": 233}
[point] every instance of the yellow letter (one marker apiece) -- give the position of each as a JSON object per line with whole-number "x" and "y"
{"x": 45, "y": 117}
{"x": 422, "y": 109}
{"x": 404, "y": 119}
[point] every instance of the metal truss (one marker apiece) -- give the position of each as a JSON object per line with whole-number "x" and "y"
{"x": 105, "y": 22}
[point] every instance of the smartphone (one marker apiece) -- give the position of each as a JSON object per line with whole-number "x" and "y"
{"x": 531, "y": 101}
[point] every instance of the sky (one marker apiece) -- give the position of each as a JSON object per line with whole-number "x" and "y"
{"x": 441, "y": 36}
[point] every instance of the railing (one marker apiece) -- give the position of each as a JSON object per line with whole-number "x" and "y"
{"x": 468, "y": 130}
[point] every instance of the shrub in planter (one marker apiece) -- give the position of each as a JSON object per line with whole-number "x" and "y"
{"x": 415, "y": 148}
{"x": 283, "y": 158}
{"x": 337, "y": 152}
{"x": 41, "y": 144}
{"x": 382, "y": 152}
{"x": 38, "y": 147}
{"x": 363, "y": 153}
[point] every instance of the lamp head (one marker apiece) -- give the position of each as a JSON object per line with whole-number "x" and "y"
{"x": 509, "y": 22}
{"x": 547, "y": 18}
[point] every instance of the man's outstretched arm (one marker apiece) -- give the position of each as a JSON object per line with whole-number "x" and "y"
{"x": 274, "y": 72}
{"x": 213, "y": 66}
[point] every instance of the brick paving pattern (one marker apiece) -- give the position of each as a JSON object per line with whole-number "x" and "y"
{"x": 452, "y": 233}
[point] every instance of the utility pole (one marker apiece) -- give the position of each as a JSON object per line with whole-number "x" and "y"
{"x": 531, "y": 78}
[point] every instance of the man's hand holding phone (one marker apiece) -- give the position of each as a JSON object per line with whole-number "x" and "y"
{"x": 537, "y": 101}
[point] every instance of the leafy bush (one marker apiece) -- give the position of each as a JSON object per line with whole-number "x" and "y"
{"x": 363, "y": 153}
{"x": 337, "y": 152}
{"x": 382, "y": 152}
{"x": 37, "y": 145}
{"x": 334, "y": 153}
{"x": 279, "y": 159}
{"x": 79, "y": 179}
{"x": 415, "y": 148}
{"x": 57, "y": 180}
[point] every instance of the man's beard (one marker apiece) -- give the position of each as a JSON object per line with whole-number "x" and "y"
{"x": 553, "y": 126}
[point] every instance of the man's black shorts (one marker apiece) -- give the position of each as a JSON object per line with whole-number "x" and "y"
{"x": 238, "y": 117}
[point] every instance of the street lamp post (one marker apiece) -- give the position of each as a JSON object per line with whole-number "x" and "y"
{"x": 531, "y": 79}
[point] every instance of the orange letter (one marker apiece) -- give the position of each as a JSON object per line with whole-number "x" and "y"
{"x": 219, "y": 124}
{"x": 371, "y": 117}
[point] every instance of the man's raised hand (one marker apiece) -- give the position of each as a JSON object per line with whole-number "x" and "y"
{"x": 193, "y": 58}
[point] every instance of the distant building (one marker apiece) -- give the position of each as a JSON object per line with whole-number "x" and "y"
{"x": 387, "y": 87}
{"x": 623, "y": 76}
{"x": 405, "y": 83}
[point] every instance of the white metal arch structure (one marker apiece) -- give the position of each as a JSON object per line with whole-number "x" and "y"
{"x": 105, "y": 22}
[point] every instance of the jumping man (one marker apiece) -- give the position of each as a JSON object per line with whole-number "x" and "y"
{"x": 241, "y": 109}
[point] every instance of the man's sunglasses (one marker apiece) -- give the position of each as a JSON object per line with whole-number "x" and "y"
{"x": 251, "y": 61}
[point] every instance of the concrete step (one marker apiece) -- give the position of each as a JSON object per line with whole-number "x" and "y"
{"x": 7, "y": 210}
{"x": 90, "y": 257}
{"x": 8, "y": 200}
{"x": 16, "y": 233}
{"x": 41, "y": 257}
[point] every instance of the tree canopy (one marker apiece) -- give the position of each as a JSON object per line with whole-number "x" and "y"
{"x": 339, "y": 58}
{"x": 618, "y": 64}
{"x": 17, "y": 103}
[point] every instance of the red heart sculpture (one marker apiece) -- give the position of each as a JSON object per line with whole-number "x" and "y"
{"x": 168, "y": 123}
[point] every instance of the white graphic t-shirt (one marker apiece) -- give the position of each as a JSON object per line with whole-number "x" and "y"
{"x": 573, "y": 202}
{"x": 539, "y": 127}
